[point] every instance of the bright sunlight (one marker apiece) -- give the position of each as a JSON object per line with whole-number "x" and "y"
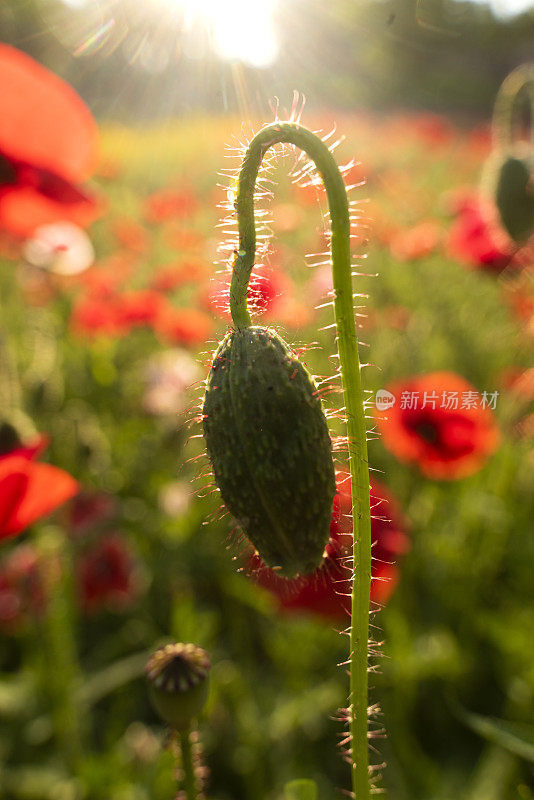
{"x": 236, "y": 30}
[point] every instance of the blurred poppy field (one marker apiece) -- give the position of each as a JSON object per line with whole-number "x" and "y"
{"x": 114, "y": 277}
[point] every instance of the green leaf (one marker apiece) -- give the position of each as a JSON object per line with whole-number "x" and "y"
{"x": 515, "y": 737}
{"x": 112, "y": 677}
{"x": 302, "y": 789}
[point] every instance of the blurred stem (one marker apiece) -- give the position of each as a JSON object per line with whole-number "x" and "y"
{"x": 10, "y": 394}
{"x": 319, "y": 153}
{"x": 497, "y": 767}
{"x": 493, "y": 775}
{"x": 62, "y": 675}
{"x": 189, "y": 783}
{"x": 503, "y": 112}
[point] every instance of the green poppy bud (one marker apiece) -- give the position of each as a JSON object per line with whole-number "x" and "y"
{"x": 269, "y": 447}
{"x": 514, "y": 196}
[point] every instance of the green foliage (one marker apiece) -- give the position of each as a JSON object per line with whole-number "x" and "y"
{"x": 300, "y": 790}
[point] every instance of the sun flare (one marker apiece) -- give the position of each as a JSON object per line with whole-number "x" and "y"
{"x": 239, "y": 30}
{"x": 236, "y": 30}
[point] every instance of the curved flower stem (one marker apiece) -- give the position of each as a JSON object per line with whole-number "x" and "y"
{"x": 350, "y": 375}
{"x": 503, "y": 112}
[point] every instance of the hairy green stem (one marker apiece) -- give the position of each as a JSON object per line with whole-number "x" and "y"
{"x": 347, "y": 339}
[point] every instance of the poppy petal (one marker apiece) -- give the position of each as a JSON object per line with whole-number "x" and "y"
{"x": 33, "y": 448}
{"x": 47, "y": 488}
{"x": 24, "y": 208}
{"x": 448, "y": 438}
{"x": 43, "y": 121}
{"x": 12, "y": 488}
{"x": 327, "y": 592}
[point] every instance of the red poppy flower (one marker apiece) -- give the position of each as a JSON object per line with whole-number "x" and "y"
{"x": 417, "y": 242}
{"x": 108, "y": 575}
{"x": 109, "y": 276}
{"x": 131, "y": 235}
{"x": 327, "y": 591}
{"x": 93, "y": 316}
{"x": 170, "y": 277}
{"x": 182, "y": 239}
{"x": 169, "y": 204}
{"x": 519, "y": 294}
{"x": 441, "y": 423}
{"x": 141, "y": 307}
{"x": 29, "y": 491}
{"x": 187, "y": 326}
{"x": 432, "y": 129}
{"x": 90, "y": 510}
{"x": 478, "y": 143}
{"x": 21, "y": 587}
{"x": 267, "y": 290}
{"x": 117, "y": 314}
{"x": 48, "y": 141}
{"x": 476, "y": 238}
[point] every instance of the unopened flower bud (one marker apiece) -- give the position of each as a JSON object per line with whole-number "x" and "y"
{"x": 514, "y": 195}
{"x": 268, "y": 442}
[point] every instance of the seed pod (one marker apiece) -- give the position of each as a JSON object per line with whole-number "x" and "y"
{"x": 269, "y": 447}
{"x": 178, "y": 683}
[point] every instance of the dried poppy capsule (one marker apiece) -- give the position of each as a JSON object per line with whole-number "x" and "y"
{"x": 178, "y": 681}
{"x": 269, "y": 447}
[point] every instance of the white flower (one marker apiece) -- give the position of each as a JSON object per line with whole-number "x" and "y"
{"x": 168, "y": 375}
{"x": 61, "y": 247}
